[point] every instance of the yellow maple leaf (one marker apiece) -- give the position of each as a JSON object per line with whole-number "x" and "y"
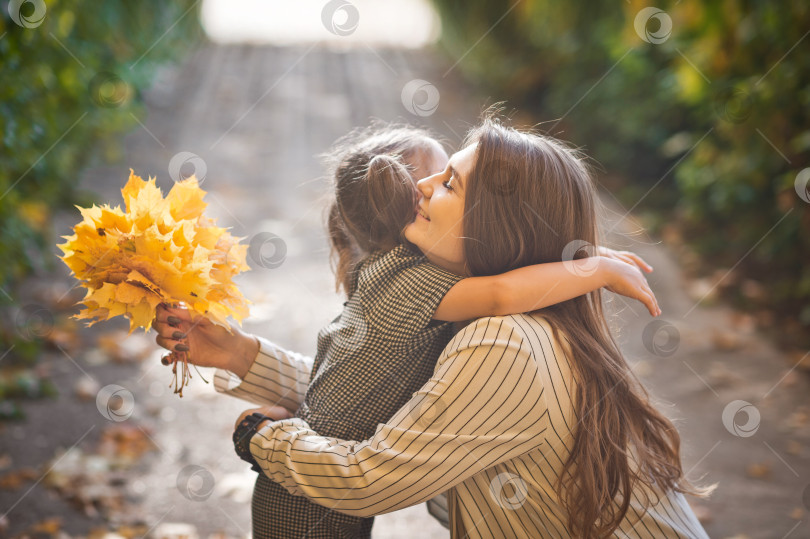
{"x": 185, "y": 200}
{"x": 158, "y": 250}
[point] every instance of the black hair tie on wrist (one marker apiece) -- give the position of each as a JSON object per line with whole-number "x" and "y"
{"x": 242, "y": 436}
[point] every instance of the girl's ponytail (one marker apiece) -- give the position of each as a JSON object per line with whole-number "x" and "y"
{"x": 391, "y": 203}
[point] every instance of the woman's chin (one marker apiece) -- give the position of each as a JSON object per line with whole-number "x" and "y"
{"x": 409, "y": 232}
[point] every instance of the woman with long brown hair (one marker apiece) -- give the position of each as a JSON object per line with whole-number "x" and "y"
{"x": 533, "y": 423}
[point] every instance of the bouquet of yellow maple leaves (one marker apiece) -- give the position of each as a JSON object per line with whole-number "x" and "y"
{"x": 160, "y": 250}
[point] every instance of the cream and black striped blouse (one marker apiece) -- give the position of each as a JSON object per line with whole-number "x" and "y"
{"x": 495, "y": 424}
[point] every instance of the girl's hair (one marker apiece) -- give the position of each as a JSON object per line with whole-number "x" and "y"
{"x": 374, "y": 194}
{"x": 540, "y": 195}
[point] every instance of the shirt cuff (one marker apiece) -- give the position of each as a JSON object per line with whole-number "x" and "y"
{"x": 263, "y": 448}
{"x": 254, "y": 387}
{"x": 226, "y": 381}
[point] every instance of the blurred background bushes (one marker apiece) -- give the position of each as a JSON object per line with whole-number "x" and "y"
{"x": 76, "y": 74}
{"x": 706, "y": 127}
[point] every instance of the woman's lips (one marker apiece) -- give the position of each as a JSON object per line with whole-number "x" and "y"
{"x": 422, "y": 213}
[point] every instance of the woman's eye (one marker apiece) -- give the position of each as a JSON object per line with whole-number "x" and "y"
{"x": 447, "y": 185}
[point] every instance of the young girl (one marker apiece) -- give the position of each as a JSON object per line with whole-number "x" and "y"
{"x": 384, "y": 345}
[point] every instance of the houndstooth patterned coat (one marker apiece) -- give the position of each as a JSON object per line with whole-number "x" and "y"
{"x": 370, "y": 360}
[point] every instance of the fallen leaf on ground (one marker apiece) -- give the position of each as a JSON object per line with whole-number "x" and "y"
{"x": 15, "y": 479}
{"x": 51, "y": 526}
{"x": 83, "y": 480}
{"x": 120, "y": 532}
{"x": 86, "y": 388}
{"x": 798, "y": 419}
{"x": 753, "y": 290}
{"x": 123, "y": 445}
{"x": 702, "y": 290}
{"x": 743, "y": 322}
{"x": 175, "y": 530}
{"x": 721, "y": 375}
{"x": 725, "y": 341}
{"x": 94, "y": 482}
{"x": 801, "y": 359}
{"x": 64, "y": 335}
{"x": 794, "y": 448}
{"x": 791, "y": 378}
{"x": 759, "y": 470}
{"x": 220, "y": 535}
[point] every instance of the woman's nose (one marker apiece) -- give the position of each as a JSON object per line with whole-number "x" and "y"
{"x": 425, "y": 186}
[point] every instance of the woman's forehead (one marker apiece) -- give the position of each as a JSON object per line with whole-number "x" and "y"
{"x": 464, "y": 159}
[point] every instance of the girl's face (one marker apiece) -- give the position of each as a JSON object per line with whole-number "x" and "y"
{"x": 437, "y": 228}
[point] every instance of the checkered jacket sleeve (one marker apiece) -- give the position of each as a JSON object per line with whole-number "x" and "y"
{"x": 277, "y": 377}
{"x": 399, "y": 296}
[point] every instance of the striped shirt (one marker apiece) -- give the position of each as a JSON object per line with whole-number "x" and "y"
{"x": 495, "y": 424}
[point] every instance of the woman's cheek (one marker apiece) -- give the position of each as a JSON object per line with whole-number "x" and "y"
{"x": 450, "y": 245}
{"x": 456, "y": 249}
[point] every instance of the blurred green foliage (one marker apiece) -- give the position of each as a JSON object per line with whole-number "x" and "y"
{"x": 710, "y": 121}
{"x": 73, "y": 74}
{"x": 71, "y": 80}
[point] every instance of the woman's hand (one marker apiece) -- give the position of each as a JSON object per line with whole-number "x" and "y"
{"x": 626, "y": 279}
{"x": 625, "y": 256}
{"x": 276, "y": 413}
{"x": 207, "y": 344}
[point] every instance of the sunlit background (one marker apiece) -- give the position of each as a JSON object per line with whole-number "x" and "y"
{"x": 399, "y": 23}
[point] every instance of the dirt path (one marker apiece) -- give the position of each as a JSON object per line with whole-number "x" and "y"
{"x": 256, "y": 117}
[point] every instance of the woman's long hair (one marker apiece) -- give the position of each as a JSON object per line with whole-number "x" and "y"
{"x": 529, "y": 198}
